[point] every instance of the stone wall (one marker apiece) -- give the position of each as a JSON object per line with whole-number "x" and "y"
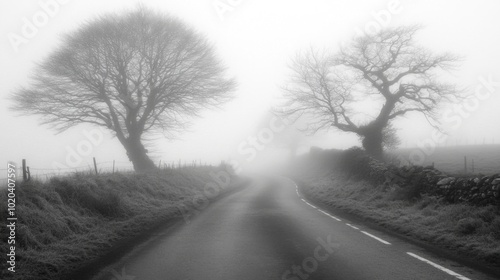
{"x": 417, "y": 180}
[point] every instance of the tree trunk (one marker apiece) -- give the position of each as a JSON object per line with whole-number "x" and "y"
{"x": 138, "y": 155}
{"x": 373, "y": 140}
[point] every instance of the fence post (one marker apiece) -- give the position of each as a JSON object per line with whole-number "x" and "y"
{"x": 113, "y": 166}
{"x": 25, "y": 176}
{"x": 95, "y": 166}
{"x": 28, "y": 172}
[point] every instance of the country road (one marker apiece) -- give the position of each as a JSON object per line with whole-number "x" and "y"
{"x": 267, "y": 231}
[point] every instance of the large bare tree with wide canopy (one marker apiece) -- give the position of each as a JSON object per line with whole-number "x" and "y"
{"x": 387, "y": 68}
{"x": 135, "y": 74}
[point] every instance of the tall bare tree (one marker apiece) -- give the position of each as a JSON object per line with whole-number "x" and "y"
{"x": 134, "y": 74}
{"x": 388, "y": 68}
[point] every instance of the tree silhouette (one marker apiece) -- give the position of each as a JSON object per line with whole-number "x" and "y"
{"x": 136, "y": 74}
{"x": 387, "y": 68}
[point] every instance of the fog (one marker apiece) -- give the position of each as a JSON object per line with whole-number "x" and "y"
{"x": 256, "y": 40}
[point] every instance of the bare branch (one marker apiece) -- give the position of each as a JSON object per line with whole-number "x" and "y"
{"x": 388, "y": 64}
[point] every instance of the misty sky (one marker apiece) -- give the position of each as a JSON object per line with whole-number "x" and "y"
{"x": 256, "y": 40}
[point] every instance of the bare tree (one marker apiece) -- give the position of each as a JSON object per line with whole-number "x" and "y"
{"x": 388, "y": 68}
{"x": 135, "y": 74}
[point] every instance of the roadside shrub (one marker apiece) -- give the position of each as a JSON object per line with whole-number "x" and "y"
{"x": 413, "y": 191}
{"x": 427, "y": 212}
{"x": 488, "y": 213}
{"x": 495, "y": 227}
{"x": 468, "y": 225}
{"x": 426, "y": 201}
{"x": 354, "y": 161}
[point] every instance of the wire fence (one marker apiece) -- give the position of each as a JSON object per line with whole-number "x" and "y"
{"x": 45, "y": 174}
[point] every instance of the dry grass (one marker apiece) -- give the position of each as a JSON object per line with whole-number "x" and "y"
{"x": 67, "y": 222}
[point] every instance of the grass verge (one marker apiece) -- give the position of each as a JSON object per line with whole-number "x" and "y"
{"x": 67, "y": 223}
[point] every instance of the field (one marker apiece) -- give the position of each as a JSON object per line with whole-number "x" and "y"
{"x": 481, "y": 159}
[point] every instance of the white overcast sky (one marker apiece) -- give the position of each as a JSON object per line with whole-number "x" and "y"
{"x": 256, "y": 40}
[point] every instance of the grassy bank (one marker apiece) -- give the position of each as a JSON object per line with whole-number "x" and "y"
{"x": 471, "y": 232}
{"x": 67, "y": 222}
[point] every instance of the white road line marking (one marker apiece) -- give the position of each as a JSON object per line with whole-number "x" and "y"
{"x": 305, "y": 201}
{"x": 376, "y": 238}
{"x": 335, "y": 218}
{"x": 349, "y": 225}
{"x": 328, "y": 214}
{"x": 444, "y": 269}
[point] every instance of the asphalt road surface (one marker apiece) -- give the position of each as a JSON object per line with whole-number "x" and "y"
{"x": 267, "y": 231}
